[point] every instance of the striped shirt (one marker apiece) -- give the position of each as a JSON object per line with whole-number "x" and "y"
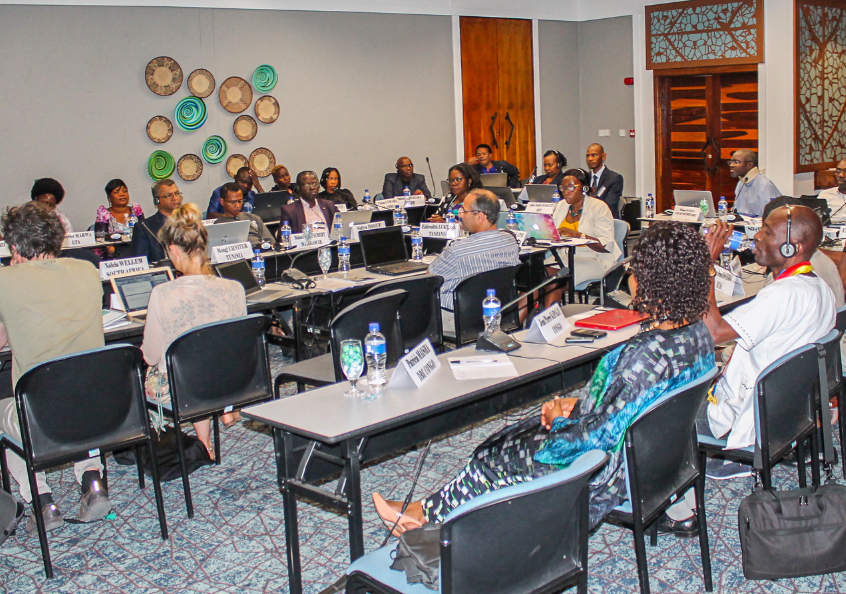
{"x": 480, "y": 252}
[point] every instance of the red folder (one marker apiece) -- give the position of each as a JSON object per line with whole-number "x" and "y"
{"x": 612, "y": 320}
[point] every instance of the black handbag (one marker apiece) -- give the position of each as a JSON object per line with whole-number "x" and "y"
{"x": 787, "y": 534}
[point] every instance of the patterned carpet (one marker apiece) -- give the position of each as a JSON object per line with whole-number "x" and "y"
{"x": 236, "y": 541}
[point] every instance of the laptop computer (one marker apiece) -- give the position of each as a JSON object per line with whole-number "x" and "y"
{"x": 444, "y": 187}
{"x": 494, "y": 180}
{"x": 268, "y": 206}
{"x": 350, "y": 218}
{"x": 504, "y": 194}
{"x": 693, "y": 198}
{"x": 820, "y": 206}
{"x": 538, "y": 192}
{"x": 384, "y": 252}
{"x": 241, "y": 271}
{"x": 540, "y": 226}
{"x": 133, "y": 289}
{"x": 227, "y": 233}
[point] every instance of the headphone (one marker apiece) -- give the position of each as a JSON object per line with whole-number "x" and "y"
{"x": 582, "y": 178}
{"x": 788, "y": 248}
{"x": 559, "y": 157}
{"x": 156, "y": 200}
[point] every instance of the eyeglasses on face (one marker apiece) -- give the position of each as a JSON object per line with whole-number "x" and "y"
{"x": 462, "y": 210}
{"x": 310, "y": 184}
{"x": 570, "y": 188}
{"x": 456, "y": 180}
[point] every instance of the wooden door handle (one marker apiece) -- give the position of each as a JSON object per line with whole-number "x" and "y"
{"x": 510, "y": 134}
{"x": 493, "y": 132}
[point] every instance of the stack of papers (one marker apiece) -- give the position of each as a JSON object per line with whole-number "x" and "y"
{"x": 482, "y": 367}
{"x": 114, "y": 319}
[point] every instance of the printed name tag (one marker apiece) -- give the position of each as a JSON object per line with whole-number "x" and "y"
{"x": 357, "y": 228}
{"x": 81, "y": 239}
{"x": 687, "y": 214}
{"x": 727, "y": 283}
{"x": 5, "y": 252}
{"x": 541, "y": 207}
{"x": 112, "y": 267}
{"x": 439, "y": 230}
{"x": 410, "y": 201}
{"x": 416, "y": 367}
{"x": 318, "y": 238}
{"x": 232, "y": 252}
{"x": 549, "y": 326}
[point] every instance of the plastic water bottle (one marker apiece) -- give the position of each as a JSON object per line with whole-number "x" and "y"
{"x": 533, "y": 177}
{"x": 723, "y": 209}
{"x": 397, "y": 215}
{"x": 337, "y": 224}
{"x": 511, "y": 221}
{"x": 725, "y": 258}
{"x": 416, "y": 245}
{"x": 343, "y": 256}
{"x": 556, "y": 197}
{"x": 650, "y": 206}
{"x": 450, "y": 217}
{"x": 376, "y": 355}
{"x": 258, "y": 267}
{"x": 490, "y": 311}
{"x": 403, "y": 215}
{"x": 285, "y": 235}
{"x": 366, "y": 202}
{"x": 131, "y": 224}
{"x": 738, "y": 242}
{"x": 406, "y": 192}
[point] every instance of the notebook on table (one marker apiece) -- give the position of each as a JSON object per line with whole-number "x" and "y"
{"x": 612, "y": 320}
{"x": 384, "y": 252}
{"x": 133, "y": 289}
{"x": 241, "y": 271}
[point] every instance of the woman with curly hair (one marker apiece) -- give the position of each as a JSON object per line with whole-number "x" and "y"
{"x": 461, "y": 179}
{"x": 672, "y": 268}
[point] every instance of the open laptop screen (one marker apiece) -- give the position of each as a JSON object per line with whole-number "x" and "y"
{"x": 241, "y": 271}
{"x": 134, "y": 289}
{"x": 382, "y": 246}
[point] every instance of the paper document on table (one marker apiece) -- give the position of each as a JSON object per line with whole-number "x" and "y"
{"x": 482, "y": 367}
{"x": 334, "y": 284}
{"x": 567, "y": 241}
{"x": 114, "y": 319}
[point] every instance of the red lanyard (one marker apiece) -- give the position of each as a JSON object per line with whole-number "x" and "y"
{"x": 800, "y": 268}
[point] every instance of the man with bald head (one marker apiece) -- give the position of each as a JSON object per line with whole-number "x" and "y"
{"x": 753, "y": 189}
{"x": 604, "y": 184}
{"x": 405, "y": 177}
{"x": 795, "y": 310}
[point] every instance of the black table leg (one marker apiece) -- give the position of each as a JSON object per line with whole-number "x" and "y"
{"x": 353, "y": 468}
{"x": 571, "y": 264}
{"x": 286, "y": 469}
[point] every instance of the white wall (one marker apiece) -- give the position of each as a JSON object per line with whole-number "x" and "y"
{"x": 357, "y": 91}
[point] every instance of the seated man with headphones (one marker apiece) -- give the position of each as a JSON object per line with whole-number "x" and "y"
{"x": 145, "y": 237}
{"x": 795, "y": 310}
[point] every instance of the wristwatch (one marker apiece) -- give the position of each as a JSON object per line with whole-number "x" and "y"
{"x": 583, "y": 236}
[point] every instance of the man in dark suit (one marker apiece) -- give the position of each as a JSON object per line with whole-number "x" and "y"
{"x": 145, "y": 236}
{"x": 605, "y": 184}
{"x": 483, "y": 164}
{"x": 395, "y": 183}
{"x": 308, "y": 208}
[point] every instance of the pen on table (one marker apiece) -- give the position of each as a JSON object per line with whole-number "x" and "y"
{"x": 459, "y": 362}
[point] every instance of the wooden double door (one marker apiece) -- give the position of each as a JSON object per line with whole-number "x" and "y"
{"x": 498, "y": 89}
{"x": 701, "y": 119}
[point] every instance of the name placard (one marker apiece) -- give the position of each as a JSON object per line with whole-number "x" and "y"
{"x": 414, "y": 200}
{"x": 318, "y": 238}
{"x": 540, "y": 207}
{"x": 389, "y": 202}
{"x": 521, "y": 236}
{"x": 549, "y": 326}
{"x": 341, "y": 207}
{"x": 111, "y": 267}
{"x": 727, "y": 282}
{"x": 687, "y": 214}
{"x": 81, "y": 239}
{"x": 207, "y": 222}
{"x": 416, "y": 367}
{"x": 5, "y": 252}
{"x": 232, "y": 252}
{"x": 439, "y": 230}
{"x": 357, "y": 228}
{"x": 842, "y": 233}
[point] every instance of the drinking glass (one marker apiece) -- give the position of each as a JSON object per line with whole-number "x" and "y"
{"x": 324, "y": 258}
{"x": 352, "y": 364}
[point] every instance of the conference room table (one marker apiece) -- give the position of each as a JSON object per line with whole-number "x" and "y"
{"x": 321, "y": 433}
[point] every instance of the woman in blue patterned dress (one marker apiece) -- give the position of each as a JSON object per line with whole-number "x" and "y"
{"x": 671, "y": 281}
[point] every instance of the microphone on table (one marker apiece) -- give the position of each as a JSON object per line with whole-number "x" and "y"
{"x": 298, "y": 278}
{"x": 432, "y": 175}
{"x": 500, "y": 341}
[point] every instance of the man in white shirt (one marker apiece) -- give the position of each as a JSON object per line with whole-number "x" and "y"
{"x": 836, "y": 196}
{"x": 797, "y": 309}
{"x": 753, "y": 189}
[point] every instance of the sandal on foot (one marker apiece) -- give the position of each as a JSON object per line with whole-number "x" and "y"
{"x": 399, "y": 523}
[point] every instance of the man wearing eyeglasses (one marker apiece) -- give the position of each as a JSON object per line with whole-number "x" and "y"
{"x": 487, "y": 248}
{"x": 836, "y": 196}
{"x": 232, "y": 200}
{"x": 246, "y": 178}
{"x": 405, "y": 177}
{"x": 309, "y": 208}
{"x": 753, "y": 189}
{"x": 145, "y": 238}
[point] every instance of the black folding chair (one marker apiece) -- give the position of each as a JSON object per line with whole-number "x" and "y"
{"x": 467, "y": 303}
{"x": 526, "y": 538}
{"x": 662, "y": 463}
{"x": 420, "y": 314}
{"x": 79, "y": 406}
{"x": 214, "y": 369}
